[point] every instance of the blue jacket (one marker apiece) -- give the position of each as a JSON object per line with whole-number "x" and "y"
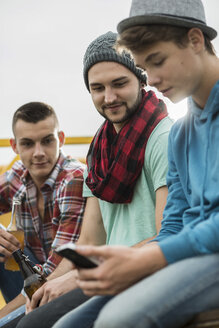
{"x": 191, "y": 218}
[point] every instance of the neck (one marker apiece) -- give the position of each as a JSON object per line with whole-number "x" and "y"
{"x": 118, "y": 126}
{"x": 38, "y": 183}
{"x": 208, "y": 79}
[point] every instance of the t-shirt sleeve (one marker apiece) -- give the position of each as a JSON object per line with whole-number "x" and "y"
{"x": 86, "y": 190}
{"x": 156, "y": 161}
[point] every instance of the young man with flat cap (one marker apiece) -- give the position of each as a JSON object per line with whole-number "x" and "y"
{"x": 125, "y": 180}
{"x": 170, "y": 280}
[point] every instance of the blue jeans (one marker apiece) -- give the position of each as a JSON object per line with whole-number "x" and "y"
{"x": 47, "y": 315}
{"x": 11, "y": 283}
{"x": 168, "y": 298}
{"x": 84, "y": 315}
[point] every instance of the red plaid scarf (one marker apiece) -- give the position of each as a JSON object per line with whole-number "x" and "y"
{"x": 114, "y": 160}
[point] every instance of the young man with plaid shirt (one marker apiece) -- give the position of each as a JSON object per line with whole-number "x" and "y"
{"x": 48, "y": 185}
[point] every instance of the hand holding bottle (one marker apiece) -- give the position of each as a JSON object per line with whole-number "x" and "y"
{"x": 33, "y": 279}
{"x": 14, "y": 237}
{"x": 8, "y": 244}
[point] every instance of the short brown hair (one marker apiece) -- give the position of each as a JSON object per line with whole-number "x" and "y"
{"x": 139, "y": 37}
{"x": 33, "y": 112}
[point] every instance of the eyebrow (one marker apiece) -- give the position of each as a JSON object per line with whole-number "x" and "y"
{"x": 120, "y": 79}
{"x": 29, "y": 139}
{"x": 25, "y": 139}
{"x": 48, "y": 136}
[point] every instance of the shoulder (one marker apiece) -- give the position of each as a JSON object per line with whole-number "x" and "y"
{"x": 11, "y": 180}
{"x": 163, "y": 127}
{"x": 71, "y": 167}
{"x": 160, "y": 133}
{"x": 17, "y": 170}
{"x": 178, "y": 130}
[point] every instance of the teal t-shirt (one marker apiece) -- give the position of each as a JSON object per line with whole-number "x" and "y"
{"x": 128, "y": 224}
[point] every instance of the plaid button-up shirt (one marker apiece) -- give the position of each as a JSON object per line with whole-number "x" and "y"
{"x": 63, "y": 207}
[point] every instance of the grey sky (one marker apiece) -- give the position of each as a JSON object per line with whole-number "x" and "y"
{"x": 42, "y": 45}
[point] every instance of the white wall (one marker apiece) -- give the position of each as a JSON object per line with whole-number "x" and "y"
{"x": 42, "y": 45}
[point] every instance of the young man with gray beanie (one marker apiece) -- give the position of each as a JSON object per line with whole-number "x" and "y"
{"x": 170, "y": 280}
{"x": 125, "y": 180}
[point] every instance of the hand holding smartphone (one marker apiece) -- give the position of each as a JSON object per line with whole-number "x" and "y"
{"x": 69, "y": 251}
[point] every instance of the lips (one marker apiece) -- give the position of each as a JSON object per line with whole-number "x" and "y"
{"x": 40, "y": 164}
{"x": 112, "y": 107}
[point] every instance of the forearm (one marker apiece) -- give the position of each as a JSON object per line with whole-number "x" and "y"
{"x": 92, "y": 232}
{"x": 13, "y": 305}
{"x": 63, "y": 267}
{"x": 152, "y": 257}
{"x": 144, "y": 242}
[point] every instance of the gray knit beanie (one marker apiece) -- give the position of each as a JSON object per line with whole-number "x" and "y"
{"x": 101, "y": 49}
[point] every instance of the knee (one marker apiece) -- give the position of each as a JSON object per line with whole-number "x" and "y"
{"x": 106, "y": 323}
{"x": 26, "y": 322}
{"x": 108, "y": 319}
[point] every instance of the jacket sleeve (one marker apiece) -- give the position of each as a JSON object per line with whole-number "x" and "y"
{"x": 176, "y": 201}
{"x": 179, "y": 241}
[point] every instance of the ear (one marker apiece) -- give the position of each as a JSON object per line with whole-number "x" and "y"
{"x": 196, "y": 39}
{"x": 14, "y": 145}
{"x": 61, "y": 138}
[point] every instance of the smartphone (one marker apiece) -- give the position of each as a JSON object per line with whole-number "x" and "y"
{"x": 69, "y": 251}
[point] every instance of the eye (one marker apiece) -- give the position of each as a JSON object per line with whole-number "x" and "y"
{"x": 120, "y": 84}
{"x": 159, "y": 62}
{"x": 97, "y": 88}
{"x": 26, "y": 144}
{"x": 47, "y": 141}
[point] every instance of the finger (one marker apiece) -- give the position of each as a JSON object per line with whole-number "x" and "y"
{"x": 5, "y": 253}
{"x": 92, "y": 288}
{"x": 44, "y": 300}
{"x": 28, "y": 307}
{"x": 8, "y": 241}
{"x": 2, "y": 258}
{"x": 48, "y": 294}
{"x": 89, "y": 288}
{"x": 36, "y": 298}
{"x": 7, "y": 236}
{"x": 87, "y": 274}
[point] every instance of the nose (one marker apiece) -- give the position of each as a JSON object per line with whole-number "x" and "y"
{"x": 153, "y": 79}
{"x": 110, "y": 95}
{"x": 38, "y": 150}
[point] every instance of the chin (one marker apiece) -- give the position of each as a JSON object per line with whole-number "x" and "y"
{"x": 177, "y": 98}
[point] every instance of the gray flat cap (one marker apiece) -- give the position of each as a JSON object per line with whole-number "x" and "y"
{"x": 184, "y": 13}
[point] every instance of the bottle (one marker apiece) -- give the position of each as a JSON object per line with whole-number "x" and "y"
{"x": 33, "y": 279}
{"x": 15, "y": 228}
